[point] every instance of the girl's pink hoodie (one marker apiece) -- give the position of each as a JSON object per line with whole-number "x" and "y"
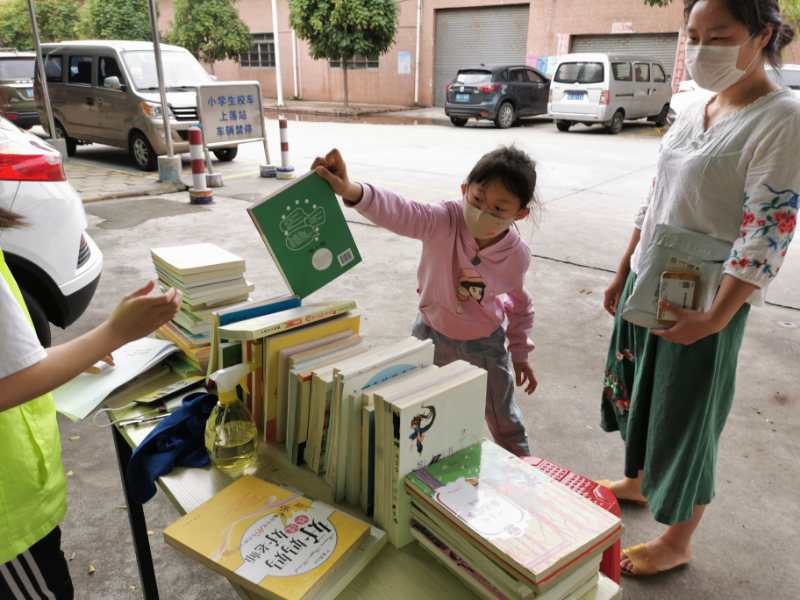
{"x": 460, "y": 299}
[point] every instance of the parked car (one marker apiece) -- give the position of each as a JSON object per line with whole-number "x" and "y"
{"x": 16, "y": 88}
{"x": 55, "y": 262}
{"x": 608, "y": 89}
{"x": 689, "y": 92}
{"x": 501, "y": 94}
{"x": 107, "y": 92}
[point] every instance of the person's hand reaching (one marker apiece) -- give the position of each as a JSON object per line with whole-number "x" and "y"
{"x": 139, "y": 313}
{"x": 333, "y": 169}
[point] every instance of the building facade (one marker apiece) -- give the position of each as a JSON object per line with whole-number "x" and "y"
{"x": 452, "y": 34}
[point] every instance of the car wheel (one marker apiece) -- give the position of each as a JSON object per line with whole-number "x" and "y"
{"x": 72, "y": 143}
{"x": 506, "y": 116}
{"x": 563, "y": 125}
{"x": 616, "y": 123}
{"x": 142, "y": 152}
{"x": 458, "y": 121}
{"x": 226, "y": 154}
{"x": 661, "y": 118}
{"x": 39, "y": 318}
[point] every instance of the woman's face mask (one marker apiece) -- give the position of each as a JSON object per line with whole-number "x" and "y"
{"x": 483, "y": 225}
{"x": 714, "y": 67}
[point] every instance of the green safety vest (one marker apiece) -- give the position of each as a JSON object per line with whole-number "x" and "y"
{"x": 33, "y": 489}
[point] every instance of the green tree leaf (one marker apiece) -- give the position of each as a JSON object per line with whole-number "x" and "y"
{"x": 209, "y": 29}
{"x": 342, "y": 29}
{"x": 116, "y": 20}
{"x": 57, "y": 20}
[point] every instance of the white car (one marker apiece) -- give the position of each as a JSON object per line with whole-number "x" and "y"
{"x": 55, "y": 262}
{"x": 689, "y": 92}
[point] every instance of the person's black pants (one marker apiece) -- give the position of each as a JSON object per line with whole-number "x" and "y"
{"x": 39, "y": 573}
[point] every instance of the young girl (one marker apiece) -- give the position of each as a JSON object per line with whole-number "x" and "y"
{"x": 728, "y": 168}
{"x": 33, "y": 490}
{"x": 471, "y": 273}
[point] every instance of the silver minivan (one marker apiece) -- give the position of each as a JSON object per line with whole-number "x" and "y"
{"x": 608, "y": 89}
{"x": 106, "y": 92}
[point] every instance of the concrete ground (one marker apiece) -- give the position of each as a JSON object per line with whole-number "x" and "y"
{"x": 591, "y": 183}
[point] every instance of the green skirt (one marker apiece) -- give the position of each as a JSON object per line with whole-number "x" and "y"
{"x": 670, "y": 403}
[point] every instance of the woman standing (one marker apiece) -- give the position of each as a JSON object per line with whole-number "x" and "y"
{"x": 727, "y": 168}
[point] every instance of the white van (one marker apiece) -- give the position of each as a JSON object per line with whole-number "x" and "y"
{"x": 608, "y": 89}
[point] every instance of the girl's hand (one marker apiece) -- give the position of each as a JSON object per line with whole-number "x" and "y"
{"x": 524, "y": 375}
{"x": 691, "y": 326}
{"x": 333, "y": 169}
{"x": 613, "y": 293}
{"x": 139, "y": 314}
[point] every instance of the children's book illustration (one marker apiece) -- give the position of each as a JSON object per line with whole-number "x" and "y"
{"x": 421, "y": 424}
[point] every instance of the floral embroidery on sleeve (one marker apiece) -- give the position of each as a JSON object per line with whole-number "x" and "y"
{"x": 767, "y": 230}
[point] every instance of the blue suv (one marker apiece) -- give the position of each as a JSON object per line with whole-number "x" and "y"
{"x": 501, "y": 94}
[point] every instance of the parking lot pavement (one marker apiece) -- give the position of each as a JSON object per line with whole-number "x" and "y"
{"x": 591, "y": 184}
{"x": 95, "y": 182}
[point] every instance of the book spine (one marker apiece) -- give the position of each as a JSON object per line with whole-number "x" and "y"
{"x": 394, "y": 428}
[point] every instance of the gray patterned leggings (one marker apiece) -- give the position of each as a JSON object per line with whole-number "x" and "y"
{"x": 503, "y": 415}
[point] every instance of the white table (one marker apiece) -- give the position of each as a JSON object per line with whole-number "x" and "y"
{"x": 410, "y": 573}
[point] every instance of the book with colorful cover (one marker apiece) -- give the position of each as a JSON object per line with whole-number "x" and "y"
{"x": 353, "y": 377}
{"x": 425, "y": 427}
{"x": 533, "y": 526}
{"x": 305, "y": 231}
{"x": 275, "y": 414}
{"x": 271, "y": 541}
{"x": 315, "y": 334}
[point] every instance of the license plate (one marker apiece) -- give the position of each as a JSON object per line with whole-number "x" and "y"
{"x": 462, "y": 97}
{"x": 575, "y": 95}
{"x": 29, "y": 92}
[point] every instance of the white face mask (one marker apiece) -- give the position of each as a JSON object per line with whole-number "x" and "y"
{"x": 714, "y": 67}
{"x": 483, "y": 225}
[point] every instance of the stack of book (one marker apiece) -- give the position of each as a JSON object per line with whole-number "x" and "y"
{"x": 275, "y": 543}
{"x": 508, "y": 530}
{"x": 209, "y": 278}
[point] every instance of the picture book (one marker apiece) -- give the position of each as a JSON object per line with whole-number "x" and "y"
{"x": 530, "y": 524}
{"x": 304, "y": 230}
{"x": 352, "y": 379}
{"x": 275, "y": 413}
{"x": 271, "y": 541}
{"x": 426, "y": 427}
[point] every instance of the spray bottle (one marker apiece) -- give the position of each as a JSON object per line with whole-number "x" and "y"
{"x": 231, "y": 437}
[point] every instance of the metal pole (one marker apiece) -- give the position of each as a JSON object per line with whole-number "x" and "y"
{"x": 416, "y": 56}
{"x": 277, "y": 42}
{"x": 160, "y": 73}
{"x": 42, "y": 74}
{"x": 294, "y": 65}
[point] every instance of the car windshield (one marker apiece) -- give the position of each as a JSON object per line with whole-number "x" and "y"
{"x": 181, "y": 69}
{"x": 580, "y": 72}
{"x": 473, "y": 77}
{"x": 13, "y": 69}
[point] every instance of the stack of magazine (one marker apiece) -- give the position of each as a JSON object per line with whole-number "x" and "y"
{"x": 508, "y": 530}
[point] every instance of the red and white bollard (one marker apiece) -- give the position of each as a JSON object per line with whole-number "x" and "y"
{"x": 199, "y": 193}
{"x": 285, "y": 171}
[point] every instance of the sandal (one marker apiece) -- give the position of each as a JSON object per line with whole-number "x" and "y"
{"x": 607, "y": 483}
{"x": 642, "y": 563}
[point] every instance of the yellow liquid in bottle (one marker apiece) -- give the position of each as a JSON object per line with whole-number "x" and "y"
{"x": 232, "y": 445}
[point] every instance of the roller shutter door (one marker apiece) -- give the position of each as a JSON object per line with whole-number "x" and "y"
{"x": 658, "y": 46}
{"x": 469, "y": 37}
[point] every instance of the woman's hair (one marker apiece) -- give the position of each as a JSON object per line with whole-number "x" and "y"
{"x": 9, "y": 219}
{"x": 511, "y": 167}
{"x": 756, "y": 15}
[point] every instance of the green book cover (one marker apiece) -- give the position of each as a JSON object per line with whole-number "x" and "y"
{"x": 304, "y": 229}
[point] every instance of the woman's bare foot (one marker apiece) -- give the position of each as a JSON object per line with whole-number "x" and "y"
{"x": 656, "y": 556}
{"x": 626, "y": 489}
